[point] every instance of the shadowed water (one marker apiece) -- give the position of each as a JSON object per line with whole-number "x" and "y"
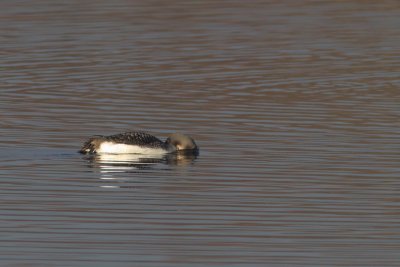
{"x": 294, "y": 105}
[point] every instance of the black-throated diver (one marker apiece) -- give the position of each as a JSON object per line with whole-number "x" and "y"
{"x": 138, "y": 143}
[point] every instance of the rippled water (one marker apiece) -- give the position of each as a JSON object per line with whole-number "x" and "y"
{"x": 294, "y": 104}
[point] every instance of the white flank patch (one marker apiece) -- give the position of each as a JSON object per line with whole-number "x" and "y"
{"x": 113, "y": 148}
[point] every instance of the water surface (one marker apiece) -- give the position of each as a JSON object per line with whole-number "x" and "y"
{"x": 295, "y": 107}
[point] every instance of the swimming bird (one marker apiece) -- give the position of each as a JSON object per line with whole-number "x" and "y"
{"x": 138, "y": 143}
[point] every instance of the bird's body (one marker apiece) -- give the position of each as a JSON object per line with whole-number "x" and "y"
{"x": 137, "y": 143}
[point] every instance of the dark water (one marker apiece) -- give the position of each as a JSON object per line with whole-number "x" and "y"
{"x": 294, "y": 104}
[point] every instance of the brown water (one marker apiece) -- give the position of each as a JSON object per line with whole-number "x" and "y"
{"x": 294, "y": 104}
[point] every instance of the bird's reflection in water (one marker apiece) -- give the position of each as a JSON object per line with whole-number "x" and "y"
{"x": 118, "y": 167}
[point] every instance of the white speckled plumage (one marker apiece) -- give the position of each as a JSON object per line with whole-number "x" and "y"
{"x": 138, "y": 143}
